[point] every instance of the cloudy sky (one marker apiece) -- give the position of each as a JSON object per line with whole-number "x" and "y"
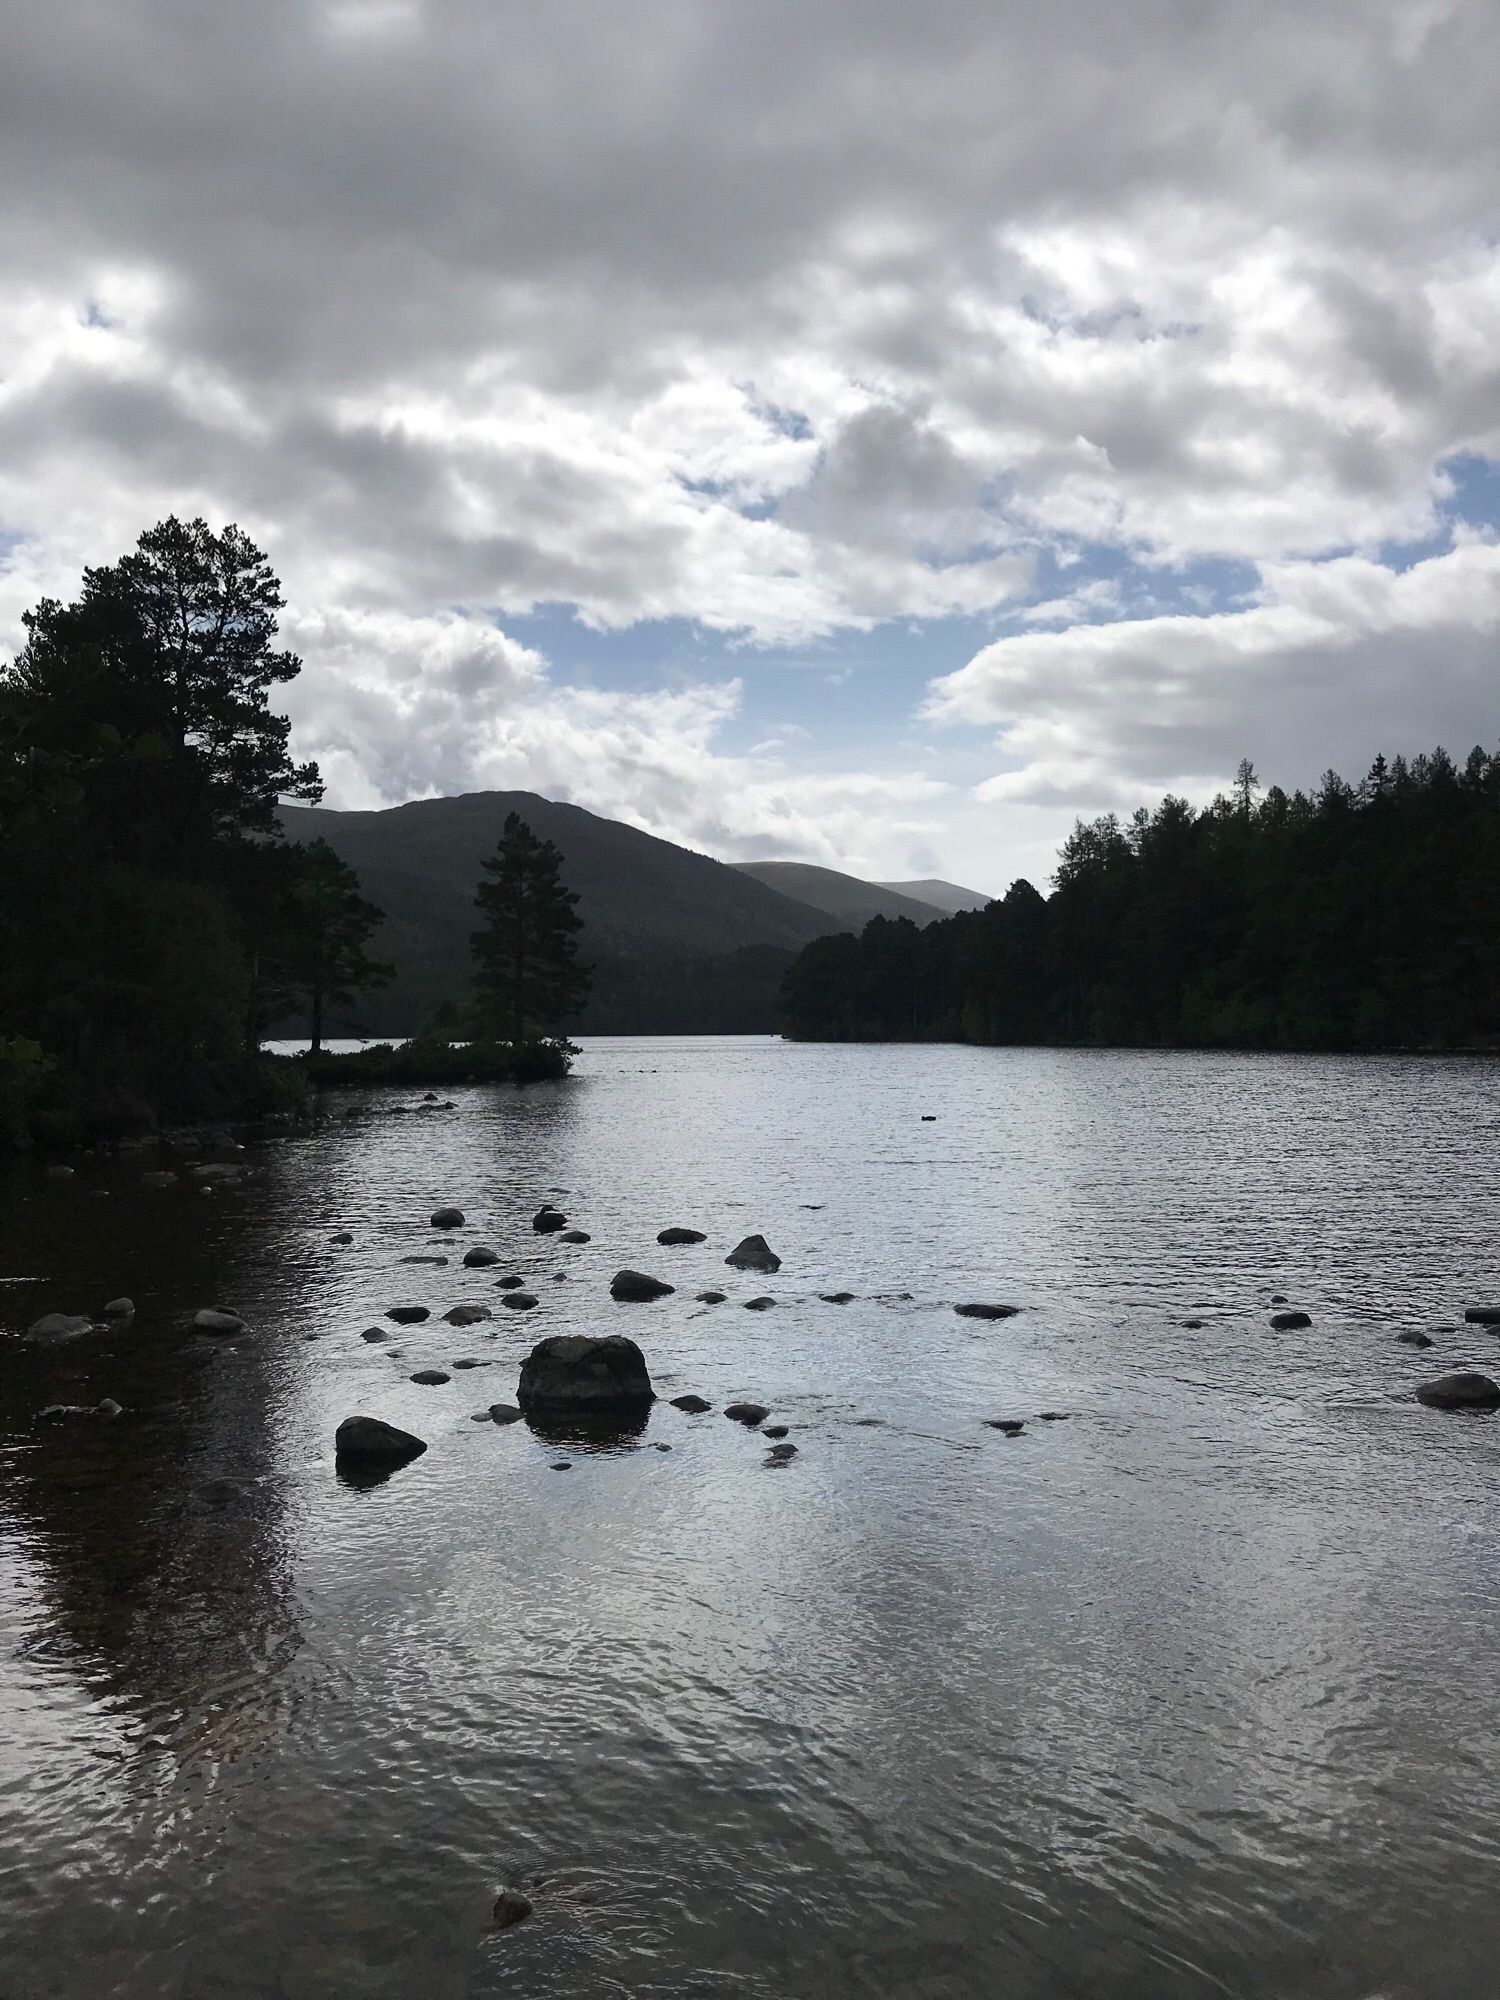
{"x": 833, "y": 429}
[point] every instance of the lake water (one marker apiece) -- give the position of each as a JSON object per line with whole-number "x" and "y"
{"x": 1194, "y": 1693}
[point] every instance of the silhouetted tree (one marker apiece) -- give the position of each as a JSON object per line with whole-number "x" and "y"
{"x": 326, "y": 928}
{"x": 526, "y": 970}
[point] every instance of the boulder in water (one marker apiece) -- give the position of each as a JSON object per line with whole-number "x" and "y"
{"x": 779, "y": 1454}
{"x": 1290, "y": 1322}
{"x": 511, "y": 1907}
{"x": 447, "y": 1218}
{"x": 1011, "y": 1426}
{"x": 430, "y": 1378}
{"x": 217, "y": 1319}
{"x": 634, "y": 1287}
{"x": 1482, "y": 1315}
{"x": 509, "y": 1284}
{"x": 366, "y": 1441}
{"x": 1414, "y": 1339}
{"x": 344, "y": 1236}
{"x": 159, "y": 1177}
{"x": 575, "y": 1374}
{"x": 120, "y": 1309}
{"x": 521, "y": 1302}
{"x": 481, "y": 1254}
{"x": 759, "y": 1305}
{"x": 711, "y": 1298}
{"x": 979, "y": 1310}
{"x": 548, "y": 1220}
{"x": 467, "y": 1315}
{"x": 575, "y": 1236}
{"x": 374, "y": 1333}
{"x": 681, "y": 1236}
{"x": 504, "y": 1413}
{"x": 1467, "y": 1390}
{"x": 836, "y": 1298}
{"x": 747, "y": 1413}
{"x": 407, "y": 1315}
{"x": 775, "y": 1430}
{"x": 421, "y": 1260}
{"x": 694, "y": 1405}
{"x": 753, "y": 1254}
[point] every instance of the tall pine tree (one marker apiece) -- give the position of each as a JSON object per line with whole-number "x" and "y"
{"x": 526, "y": 970}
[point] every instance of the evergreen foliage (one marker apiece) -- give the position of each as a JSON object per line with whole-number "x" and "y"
{"x": 326, "y": 926}
{"x": 1354, "y": 917}
{"x": 150, "y": 920}
{"x": 526, "y": 972}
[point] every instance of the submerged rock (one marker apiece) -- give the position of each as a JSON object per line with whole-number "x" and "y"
{"x": 408, "y": 1315}
{"x": 53, "y": 1329}
{"x": 1290, "y": 1322}
{"x": 1052, "y": 1416}
{"x": 759, "y": 1305}
{"x": 681, "y": 1236}
{"x": 836, "y": 1298}
{"x": 1466, "y": 1390}
{"x": 978, "y": 1310}
{"x": 571, "y": 1373}
{"x": 219, "y": 1172}
{"x": 217, "y": 1319}
{"x": 470, "y": 1362}
{"x": 711, "y": 1298}
{"x": 634, "y": 1287}
{"x": 343, "y": 1236}
{"x": 481, "y": 1254}
{"x": 468, "y": 1315}
{"x": 753, "y": 1254}
{"x": 1413, "y": 1339}
{"x": 367, "y": 1441}
{"x": 694, "y": 1405}
{"x": 747, "y": 1413}
{"x": 447, "y": 1218}
{"x": 421, "y": 1260}
{"x": 159, "y": 1177}
{"x": 1012, "y": 1426}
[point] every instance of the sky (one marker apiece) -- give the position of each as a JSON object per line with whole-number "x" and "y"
{"x": 834, "y": 430}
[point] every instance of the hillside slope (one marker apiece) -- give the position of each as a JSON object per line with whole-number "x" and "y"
{"x": 945, "y": 896}
{"x": 657, "y": 909}
{"x": 844, "y": 897}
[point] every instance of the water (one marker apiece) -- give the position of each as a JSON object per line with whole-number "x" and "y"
{"x": 1191, "y": 1694}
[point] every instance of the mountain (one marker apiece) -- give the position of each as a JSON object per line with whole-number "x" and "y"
{"x": 944, "y": 896}
{"x": 843, "y": 897}
{"x": 679, "y": 942}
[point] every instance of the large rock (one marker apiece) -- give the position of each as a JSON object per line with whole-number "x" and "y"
{"x": 1290, "y": 1322}
{"x": 694, "y": 1405}
{"x": 54, "y": 1329}
{"x": 431, "y": 1378}
{"x": 1483, "y": 1315}
{"x": 216, "y": 1172}
{"x": 711, "y": 1298}
{"x": 636, "y": 1287}
{"x": 759, "y": 1305}
{"x": 1414, "y": 1339}
{"x": 575, "y": 1236}
{"x": 217, "y": 1319}
{"x": 120, "y": 1309}
{"x": 481, "y": 1254}
{"x": 520, "y": 1302}
{"x": 978, "y": 1310}
{"x": 747, "y": 1413}
{"x": 548, "y": 1220}
{"x": 366, "y": 1441}
{"x": 574, "y": 1374}
{"x": 1467, "y": 1390}
{"x": 407, "y": 1315}
{"x": 447, "y": 1218}
{"x": 753, "y": 1254}
{"x": 681, "y": 1236}
{"x": 467, "y": 1315}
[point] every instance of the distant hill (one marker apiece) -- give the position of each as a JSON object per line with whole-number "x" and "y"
{"x": 844, "y": 897}
{"x": 679, "y": 941}
{"x": 944, "y": 896}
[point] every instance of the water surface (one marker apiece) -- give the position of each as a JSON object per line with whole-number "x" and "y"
{"x": 1190, "y": 1694}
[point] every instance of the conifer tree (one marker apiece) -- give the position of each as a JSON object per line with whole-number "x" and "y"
{"x": 526, "y": 970}
{"x": 328, "y": 924}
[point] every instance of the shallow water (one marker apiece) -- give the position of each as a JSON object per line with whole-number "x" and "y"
{"x": 1190, "y": 1694}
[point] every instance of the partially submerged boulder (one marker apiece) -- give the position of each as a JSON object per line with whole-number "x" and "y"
{"x": 747, "y": 1413}
{"x": 711, "y": 1298}
{"x": 575, "y": 1236}
{"x": 1290, "y": 1322}
{"x": 634, "y": 1287}
{"x": 977, "y": 1309}
{"x": 467, "y": 1315}
{"x": 1466, "y": 1390}
{"x": 120, "y": 1309}
{"x": 447, "y": 1218}
{"x": 481, "y": 1254}
{"x": 753, "y": 1254}
{"x": 1482, "y": 1315}
{"x": 217, "y": 1319}
{"x": 694, "y": 1405}
{"x": 366, "y": 1441}
{"x": 55, "y": 1329}
{"x": 504, "y": 1413}
{"x": 576, "y": 1374}
{"x": 431, "y": 1378}
{"x": 1414, "y": 1339}
{"x": 675, "y": 1235}
{"x": 548, "y": 1220}
{"x": 759, "y": 1305}
{"x": 521, "y": 1302}
{"x": 836, "y": 1298}
{"x": 407, "y": 1315}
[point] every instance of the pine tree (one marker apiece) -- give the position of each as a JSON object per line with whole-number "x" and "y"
{"x": 327, "y": 926}
{"x": 526, "y": 970}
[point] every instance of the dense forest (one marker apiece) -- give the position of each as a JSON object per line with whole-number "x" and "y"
{"x": 1355, "y": 917}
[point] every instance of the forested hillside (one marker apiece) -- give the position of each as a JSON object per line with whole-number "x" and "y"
{"x": 1356, "y": 916}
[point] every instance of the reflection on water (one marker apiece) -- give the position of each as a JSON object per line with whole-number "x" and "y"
{"x": 1190, "y": 1694}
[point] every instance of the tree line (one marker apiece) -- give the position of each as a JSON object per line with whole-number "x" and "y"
{"x": 1354, "y": 916}
{"x": 153, "y": 921}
